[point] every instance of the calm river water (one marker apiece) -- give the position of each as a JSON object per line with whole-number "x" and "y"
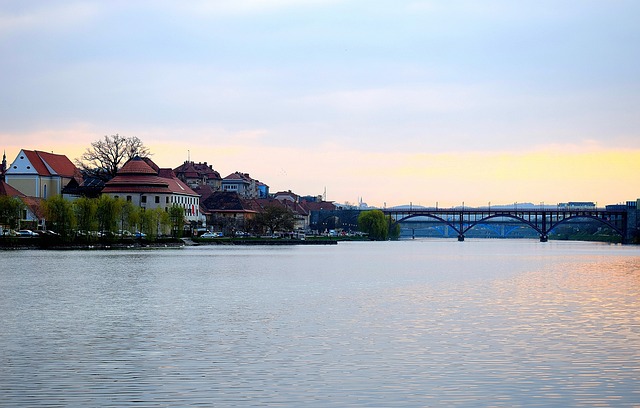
{"x": 409, "y": 323}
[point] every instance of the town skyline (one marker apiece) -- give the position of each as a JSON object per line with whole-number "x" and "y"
{"x": 415, "y": 102}
{"x": 361, "y": 200}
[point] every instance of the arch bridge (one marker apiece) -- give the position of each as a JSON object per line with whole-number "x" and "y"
{"x": 542, "y": 220}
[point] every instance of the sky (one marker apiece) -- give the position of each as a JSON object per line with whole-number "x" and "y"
{"x": 391, "y": 102}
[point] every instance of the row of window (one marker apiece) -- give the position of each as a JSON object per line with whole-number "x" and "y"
{"x": 190, "y": 204}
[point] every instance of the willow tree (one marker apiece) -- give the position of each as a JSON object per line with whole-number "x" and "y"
{"x": 375, "y": 224}
{"x": 108, "y": 213}
{"x": 129, "y": 215}
{"x": 59, "y": 212}
{"x": 85, "y": 212}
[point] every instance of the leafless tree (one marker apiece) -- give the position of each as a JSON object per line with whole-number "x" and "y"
{"x": 105, "y": 156}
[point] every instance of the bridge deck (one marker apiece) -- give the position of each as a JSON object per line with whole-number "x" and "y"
{"x": 542, "y": 220}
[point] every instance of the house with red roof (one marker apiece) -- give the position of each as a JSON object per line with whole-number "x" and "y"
{"x": 300, "y": 213}
{"x": 32, "y": 213}
{"x": 40, "y": 174}
{"x": 141, "y": 182}
{"x": 198, "y": 174}
{"x": 228, "y": 211}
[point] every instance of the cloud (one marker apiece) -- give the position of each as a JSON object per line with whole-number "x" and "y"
{"x": 18, "y": 18}
{"x": 399, "y": 97}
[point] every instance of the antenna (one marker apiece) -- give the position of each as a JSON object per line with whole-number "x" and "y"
{"x": 188, "y": 155}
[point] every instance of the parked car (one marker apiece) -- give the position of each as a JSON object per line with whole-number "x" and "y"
{"x": 9, "y": 233}
{"x": 212, "y": 235}
{"x": 27, "y": 233}
{"x": 139, "y": 234}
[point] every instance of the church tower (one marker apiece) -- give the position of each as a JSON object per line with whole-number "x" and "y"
{"x": 3, "y": 169}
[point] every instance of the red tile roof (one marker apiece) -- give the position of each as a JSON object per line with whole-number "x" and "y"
{"x": 48, "y": 164}
{"x": 35, "y": 205}
{"x": 190, "y": 169}
{"x": 137, "y": 166}
{"x": 238, "y": 176}
{"x": 227, "y": 201}
{"x": 204, "y": 190}
{"x": 139, "y": 176}
{"x": 294, "y": 207}
{"x": 318, "y": 205}
{"x": 178, "y": 187}
{"x": 7, "y": 190}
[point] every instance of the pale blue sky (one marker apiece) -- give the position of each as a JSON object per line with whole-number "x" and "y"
{"x": 341, "y": 77}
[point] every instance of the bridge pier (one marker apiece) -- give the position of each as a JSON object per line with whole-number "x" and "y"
{"x": 460, "y": 237}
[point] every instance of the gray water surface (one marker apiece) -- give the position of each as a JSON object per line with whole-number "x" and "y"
{"x": 410, "y": 323}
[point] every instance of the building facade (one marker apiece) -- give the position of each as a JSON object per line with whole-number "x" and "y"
{"x": 148, "y": 188}
{"x": 40, "y": 174}
{"x": 198, "y": 174}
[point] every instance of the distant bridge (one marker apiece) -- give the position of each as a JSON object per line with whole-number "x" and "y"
{"x": 542, "y": 220}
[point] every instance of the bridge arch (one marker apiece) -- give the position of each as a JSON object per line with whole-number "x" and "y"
{"x": 601, "y": 220}
{"x": 511, "y": 216}
{"x": 435, "y": 217}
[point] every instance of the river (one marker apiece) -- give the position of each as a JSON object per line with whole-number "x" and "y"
{"x": 410, "y": 323}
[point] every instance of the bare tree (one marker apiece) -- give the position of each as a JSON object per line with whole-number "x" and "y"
{"x": 105, "y": 156}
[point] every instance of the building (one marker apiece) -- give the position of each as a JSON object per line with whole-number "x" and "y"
{"x": 245, "y": 186}
{"x": 3, "y": 166}
{"x": 40, "y": 174}
{"x": 228, "y": 211}
{"x": 32, "y": 215}
{"x": 145, "y": 185}
{"x": 198, "y": 174}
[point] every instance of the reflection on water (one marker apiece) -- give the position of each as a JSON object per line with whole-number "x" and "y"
{"x": 413, "y": 323}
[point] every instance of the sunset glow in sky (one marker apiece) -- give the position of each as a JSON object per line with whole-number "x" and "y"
{"x": 391, "y": 101}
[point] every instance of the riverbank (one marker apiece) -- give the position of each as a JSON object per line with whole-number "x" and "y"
{"x": 266, "y": 241}
{"x": 129, "y": 243}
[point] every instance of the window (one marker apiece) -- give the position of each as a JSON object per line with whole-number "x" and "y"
{"x": 128, "y": 198}
{"x": 157, "y": 199}
{"x": 143, "y": 199}
{"x": 167, "y": 201}
{"x": 45, "y": 191}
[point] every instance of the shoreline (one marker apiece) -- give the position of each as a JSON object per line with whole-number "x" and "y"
{"x": 37, "y": 243}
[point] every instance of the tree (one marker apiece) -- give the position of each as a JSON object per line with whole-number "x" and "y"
{"x": 163, "y": 220}
{"x": 129, "y": 215}
{"x": 105, "y": 156}
{"x": 176, "y": 215}
{"x": 375, "y": 224}
{"x": 394, "y": 232}
{"x": 59, "y": 212}
{"x": 10, "y": 211}
{"x": 275, "y": 218}
{"x": 148, "y": 224}
{"x": 107, "y": 213}
{"x": 85, "y": 213}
